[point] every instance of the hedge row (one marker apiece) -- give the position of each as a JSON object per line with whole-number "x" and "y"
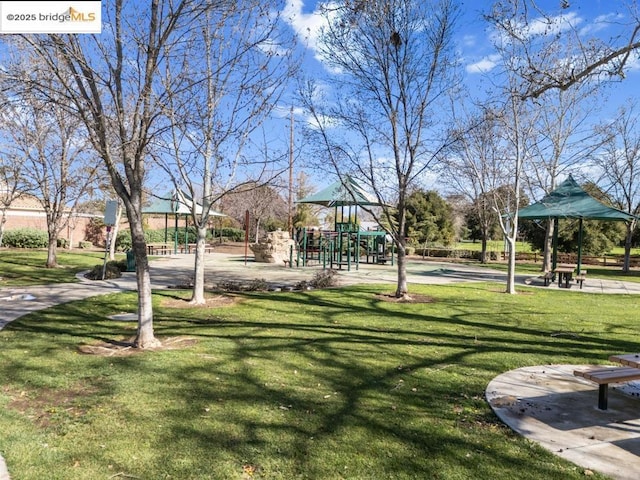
{"x": 25, "y": 238}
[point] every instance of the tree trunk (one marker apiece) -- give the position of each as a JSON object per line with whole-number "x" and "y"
{"x": 402, "y": 290}
{"x": 511, "y": 270}
{"x": 197, "y": 297}
{"x": 483, "y": 249}
{"x": 3, "y": 220}
{"x": 257, "y": 235}
{"x": 52, "y": 259}
{"x": 511, "y": 245}
{"x": 145, "y": 337}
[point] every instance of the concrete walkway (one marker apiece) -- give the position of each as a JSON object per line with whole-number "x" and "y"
{"x": 608, "y": 442}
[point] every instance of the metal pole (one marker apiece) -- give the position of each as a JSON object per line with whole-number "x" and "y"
{"x": 106, "y": 251}
{"x": 579, "y": 244}
{"x": 554, "y": 255}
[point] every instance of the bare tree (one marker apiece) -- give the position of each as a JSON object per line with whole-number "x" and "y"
{"x": 564, "y": 142}
{"x": 539, "y": 34}
{"x": 476, "y": 166}
{"x": 235, "y": 85}
{"x": 390, "y": 64}
{"x": 12, "y": 186}
{"x": 261, "y": 201}
{"x": 619, "y": 162}
{"x": 58, "y": 166}
{"x": 111, "y": 81}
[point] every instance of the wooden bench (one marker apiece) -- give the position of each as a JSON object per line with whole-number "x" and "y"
{"x": 604, "y": 376}
{"x": 548, "y": 278}
{"x": 581, "y": 277}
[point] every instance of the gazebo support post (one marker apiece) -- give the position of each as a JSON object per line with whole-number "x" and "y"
{"x": 554, "y": 247}
{"x": 579, "y": 244}
{"x": 166, "y": 226}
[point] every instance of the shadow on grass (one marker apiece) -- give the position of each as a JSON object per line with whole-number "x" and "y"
{"x": 330, "y": 384}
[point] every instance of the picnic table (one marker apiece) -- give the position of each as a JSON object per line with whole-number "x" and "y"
{"x": 628, "y": 359}
{"x": 160, "y": 248}
{"x": 565, "y": 273}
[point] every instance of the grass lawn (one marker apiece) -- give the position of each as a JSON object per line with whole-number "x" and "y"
{"x": 26, "y": 267}
{"x": 329, "y": 384}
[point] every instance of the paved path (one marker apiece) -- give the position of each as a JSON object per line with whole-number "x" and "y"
{"x": 177, "y": 271}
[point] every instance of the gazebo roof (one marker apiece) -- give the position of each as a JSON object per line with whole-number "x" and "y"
{"x": 176, "y": 202}
{"x": 569, "y": 200}
{"x": 342, "y": 193}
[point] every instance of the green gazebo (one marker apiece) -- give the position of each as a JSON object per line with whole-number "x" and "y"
{"x": 177, "y": 204}
{"x": 570, "y": 200}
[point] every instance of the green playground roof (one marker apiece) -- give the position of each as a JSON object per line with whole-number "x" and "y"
{"x": 342, "y": 193}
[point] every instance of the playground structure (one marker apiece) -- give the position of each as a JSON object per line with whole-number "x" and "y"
{"x": 345, "y": 246}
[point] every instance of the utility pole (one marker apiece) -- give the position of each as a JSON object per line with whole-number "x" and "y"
{"x": 290, "y": 202}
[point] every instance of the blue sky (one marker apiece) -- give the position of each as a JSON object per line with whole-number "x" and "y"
{"x": 477, "y": 57}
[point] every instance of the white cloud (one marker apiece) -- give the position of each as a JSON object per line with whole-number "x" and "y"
{"x": 601, "y": 22}
{"x": 542, "y": 26}
{"x": 633, "y": 64}
{"x": 483, "y": 66}
{"x": 469, "y": 40}
{"x": 306, "y": 25}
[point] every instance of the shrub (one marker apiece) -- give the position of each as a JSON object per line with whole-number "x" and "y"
{"x": 324, "y": 279}
{"x": 85, "y": 244}
{"x": 232, "y": 234}
{"x": 112, "y": 269}
{"x": 123, "y": 240}
{"x": 25, "y": 238}
{"x": 62, "y": 242}
{"x": 257, "y": 285}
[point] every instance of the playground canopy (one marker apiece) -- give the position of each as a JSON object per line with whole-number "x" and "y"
{"x": 570, "y": 200}
{"x": 344, "y": 192}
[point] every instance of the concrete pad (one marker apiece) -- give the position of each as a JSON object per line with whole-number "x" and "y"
{"x": 549, "y": 405}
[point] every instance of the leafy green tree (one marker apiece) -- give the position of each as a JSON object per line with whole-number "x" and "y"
{"x": 429, "y": 218}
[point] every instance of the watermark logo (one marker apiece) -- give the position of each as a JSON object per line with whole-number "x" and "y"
{"x": 50, "y": 17}
{"x": 77, "y": 16}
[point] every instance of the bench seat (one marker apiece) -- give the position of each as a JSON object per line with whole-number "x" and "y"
{"x": 604, "y": 376}
{"x": 548, "y": 278}
{"x": 581, "y": 278}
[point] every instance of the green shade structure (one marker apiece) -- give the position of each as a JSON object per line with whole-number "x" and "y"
{"x": 344, "y": 192}
{"x": 176, "y": 203}
{"x": 570, "y": 200}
